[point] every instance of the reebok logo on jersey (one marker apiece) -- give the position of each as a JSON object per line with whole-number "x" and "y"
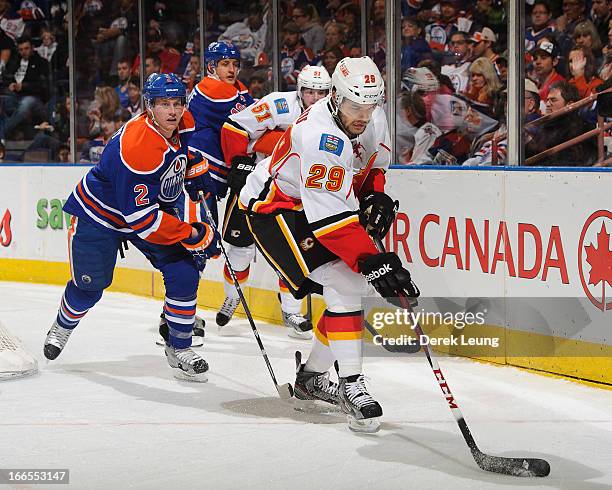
{"x": 378, "y": 273}
{"x": 281, "y": 106}
{"x": 331, "y": 144}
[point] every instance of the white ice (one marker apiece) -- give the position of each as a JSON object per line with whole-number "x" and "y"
{"x": 109, "y": 410}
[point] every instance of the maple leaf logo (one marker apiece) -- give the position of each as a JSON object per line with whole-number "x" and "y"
{"x": 600, "y": 259}
{"x": 598, "y": 256}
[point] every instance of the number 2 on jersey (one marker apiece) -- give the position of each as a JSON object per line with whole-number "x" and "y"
{"x": 141, "y": 199}
{"x": 318, "y": 171}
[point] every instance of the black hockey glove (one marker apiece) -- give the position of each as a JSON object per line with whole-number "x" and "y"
{"x": 384, "y": 271}
{"x": 241, "y": 168}
{"x": 376, "y": 213}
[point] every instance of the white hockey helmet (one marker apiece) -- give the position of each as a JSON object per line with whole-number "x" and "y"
{"x": 358, "y": 80}
{"x": 313, "y": 77}
{"x": 420, "y": 80}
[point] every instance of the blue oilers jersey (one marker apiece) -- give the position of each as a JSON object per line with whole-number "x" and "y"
{"x": 140, "y": 174}
{"x": 211, "y": 103}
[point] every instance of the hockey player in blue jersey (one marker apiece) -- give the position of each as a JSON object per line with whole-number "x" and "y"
{"x": 218, "y": 95}
{"x": 129, "y": 196}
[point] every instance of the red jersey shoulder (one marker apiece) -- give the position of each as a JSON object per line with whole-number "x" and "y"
{"x": 142, "y": 148}
{"x": 217, "y": 90}
{"x": 187, "y": 122}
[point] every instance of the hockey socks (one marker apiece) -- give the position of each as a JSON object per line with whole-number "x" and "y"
{"x": 74, "y": 305}
{"x": 180, "y": 315}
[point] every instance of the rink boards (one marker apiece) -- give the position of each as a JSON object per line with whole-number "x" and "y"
{"x": 533, "y": 246}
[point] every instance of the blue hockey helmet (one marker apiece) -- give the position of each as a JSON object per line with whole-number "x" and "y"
{"x": 163, "y": 86}
{"x": 221, "y": 50}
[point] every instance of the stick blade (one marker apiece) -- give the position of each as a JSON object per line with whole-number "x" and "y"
{"x": 285, "y": 391}
{"x": 524, "y": 467}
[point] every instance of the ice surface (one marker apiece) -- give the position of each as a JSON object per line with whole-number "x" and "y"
{"x": 109, "y": 410}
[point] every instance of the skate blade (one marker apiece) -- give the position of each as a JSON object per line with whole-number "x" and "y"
{"x": 315, "y": 407}
{"x": 366, "y": 426}
{"x": 299, "y": 335}
{"x": 192, "y": 378}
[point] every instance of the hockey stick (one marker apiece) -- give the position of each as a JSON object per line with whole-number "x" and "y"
{"x": 285, "y": 391}
{"x": 497, "y": 464}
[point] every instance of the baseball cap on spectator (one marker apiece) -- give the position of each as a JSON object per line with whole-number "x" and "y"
{"x": 292, "y": 27}
{"x": 485, "y": 34}
{"x": 530, "y": 86}
{"x": 547, "y": 48}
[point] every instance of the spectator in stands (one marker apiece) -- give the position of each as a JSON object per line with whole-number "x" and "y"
{"x": 169, "y": 58}
{"x": 601, "y": 14}
{"x": 484, "y": 85}
{"x": 573, "y": 14}
{"x": 193, "y": 73}
{"x": 482, "y": 46}
{"x": 581, "y": 64}
{"x": 501, "y": 65}
{"x": 532, "y": 101}
{"x": 438, "y": 32}
{"x": 249, "y": 35}
{"x": 105, "y": 104}
{"x": 258, "y": 84}
{"x": 6, "y": 47}
{"x": 123, "y": 74}
{"x": 545, "y": 59}
{"x": 606, "y": 69}
{"x": 541, "y": 24}
{"x": 414, "y": 46}
{"x": 92, "y": 151}
{"x": 488, "y": 14}
{"x": 334, "y": 37}
{"x": 456, "y": 64}
{"x": 294, "y": 55}
{"x": 585, "y": 35}
{"x": 48, "y": 46}
{"x": 63, "y": 155}
{"x": 152, "y": 65}
{"x": 2, "y": 152}
{"x": 307, "y": 19}
{"x": 350, "y": 15}
{"x": 134, "y": 103}
{"x": 25, "y": 82}
{"x": 331, "y": 58}
{"x": 119, "y": 36}
{"x": 411, "y": 116}
{"x": 562, "y": 129}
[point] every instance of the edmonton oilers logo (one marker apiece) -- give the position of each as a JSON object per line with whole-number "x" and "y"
{"x": 172, "y": 179}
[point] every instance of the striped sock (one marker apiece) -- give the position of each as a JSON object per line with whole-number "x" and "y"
{"x": 180, "y": 315}
{"x": 228, "y": 283}
{"x": 68, "y": 316}
{"x": 344, "y": 334}
{"x": 320, "y": 358}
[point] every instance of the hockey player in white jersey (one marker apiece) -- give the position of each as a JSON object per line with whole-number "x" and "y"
{"x": 247, "y": 137}
{"x": 309, "y": 206}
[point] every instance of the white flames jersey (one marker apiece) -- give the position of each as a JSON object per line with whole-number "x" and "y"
{"x": 277, "y": 110}
{"x": 315, "y": 166}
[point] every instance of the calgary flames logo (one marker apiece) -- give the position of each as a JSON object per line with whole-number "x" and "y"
{"x": 595, "y": 258}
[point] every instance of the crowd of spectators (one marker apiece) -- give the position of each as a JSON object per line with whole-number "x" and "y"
{"x": 452, "y": 104}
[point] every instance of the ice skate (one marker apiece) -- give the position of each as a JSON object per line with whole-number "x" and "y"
{"x": 311, "y": 387}
{"x": 56, "y": 340}
{"x": 227, "y": 311}
{"x": 188, "y": 364}
{"x": 361, "y": 409}
{"x": 298, "y": 325}
{"x": 197, "y": 339}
